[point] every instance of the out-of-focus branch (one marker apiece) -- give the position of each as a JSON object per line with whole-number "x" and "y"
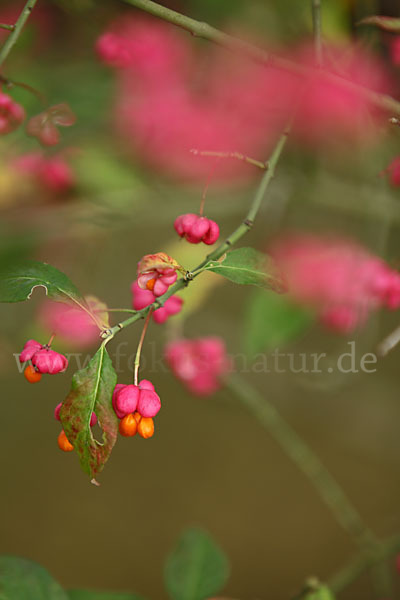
{"x": 16, "y": 30}
{"x": 317, "y": 29}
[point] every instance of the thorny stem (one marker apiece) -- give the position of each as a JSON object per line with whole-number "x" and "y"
{"x": 245, "y": 226}
{"x": 236, "y": 155}
{"x": 16, "y": 30}
{"x": 140, "y": 345}
{"x": 205, "y": 31}
{"x": 7, "y": 27}
{"x": 316, "y": 17}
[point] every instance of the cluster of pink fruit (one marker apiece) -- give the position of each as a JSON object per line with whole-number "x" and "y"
{"x": 136, "y": 406}
{"x": 155, "y": 281}
{"x": 42, "y": 359}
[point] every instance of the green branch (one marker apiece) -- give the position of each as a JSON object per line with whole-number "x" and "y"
{"x": 16, "y": 30}
{"x": 205, "y": 31}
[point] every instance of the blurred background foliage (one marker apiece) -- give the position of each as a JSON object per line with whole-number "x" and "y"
{"x": 209, "y": 463}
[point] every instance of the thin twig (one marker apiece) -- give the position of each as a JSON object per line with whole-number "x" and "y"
{"x": 7, "y": 27}
{"x": 15, "y": 33}
{"x": 236, "y": 155}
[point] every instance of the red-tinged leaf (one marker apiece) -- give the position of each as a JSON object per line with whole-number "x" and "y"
{"x": 91, "y": 391}
{"x": 387, "y": 23}
{"x": 61, "y": 114}
{"x": 151, "y": 262}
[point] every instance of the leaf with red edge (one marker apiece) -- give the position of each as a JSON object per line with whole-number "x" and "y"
{"x": 387, "y": 23}
{"x": 160, "y": 260}
{"x": 91, "y": 391}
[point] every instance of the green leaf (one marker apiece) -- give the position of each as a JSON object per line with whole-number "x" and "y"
{"x": 197, "y": 568}
{"x": 18, "y": 281}
{"x": 387, "y": 23}
{"x": 22, "y": 579}
{"x": 272, "y": 320}
{"x": 247, "y": 266}
{"x": 91, "y": 391}
{"x": 91, "y": 595}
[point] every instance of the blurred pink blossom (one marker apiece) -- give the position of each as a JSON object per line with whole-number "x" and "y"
{"x": 338, "y": 278}
{"x": 74, "y": 325}
{"x": 333, "y": 110}
{"x": 170, "y": 100}
{"x": 52, "y": 173}
{"x": 198, "y": 363}
{"x": 11, "y": 114}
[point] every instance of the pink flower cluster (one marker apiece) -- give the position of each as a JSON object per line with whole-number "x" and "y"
{"x": 43, "y": 358}
{"x": 198, "y": 363}
{"x": 140, "y": 398}
{"x": 11, "y": 114}
{"x": 51, "y": 173}
{"x": 196, "y": 229}
{"x": 339, "y": 279}
{"x": 143, "y": 298}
